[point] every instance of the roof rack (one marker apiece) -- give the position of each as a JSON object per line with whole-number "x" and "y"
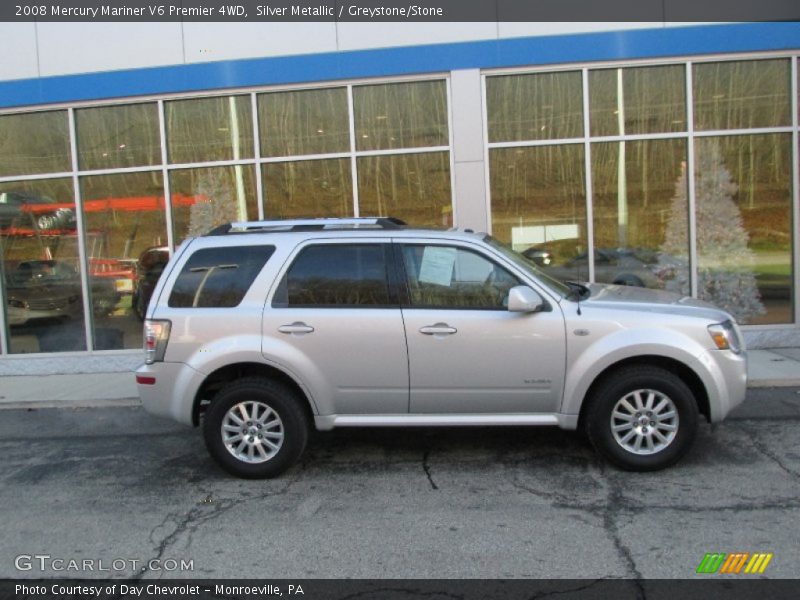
{"x": 288, "y": 225}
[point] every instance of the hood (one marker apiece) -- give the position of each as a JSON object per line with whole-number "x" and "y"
{"x": 626, "y": 297}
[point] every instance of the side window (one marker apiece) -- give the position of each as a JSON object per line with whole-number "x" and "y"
{"x": 450, "y": 277}
{"x": 336, "y": 276}
{"x": 218, "y": 277}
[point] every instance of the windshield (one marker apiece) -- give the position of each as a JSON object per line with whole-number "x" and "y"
{"x": 553, "y": 284}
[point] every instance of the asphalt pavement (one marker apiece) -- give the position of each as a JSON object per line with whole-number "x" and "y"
{"x": 115, "y": 484}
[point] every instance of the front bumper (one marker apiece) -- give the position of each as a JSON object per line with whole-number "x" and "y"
{"x": 729, "y": 371}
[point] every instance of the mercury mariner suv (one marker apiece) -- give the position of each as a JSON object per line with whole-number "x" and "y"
{"x": 260, "y": 330}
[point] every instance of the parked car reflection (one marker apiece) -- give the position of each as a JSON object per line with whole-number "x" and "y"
{"x": 149, "y": 268}
{"x": 621, "y": 266}
{"x": 29, "y": 211}
{"x": 51, "y": 289}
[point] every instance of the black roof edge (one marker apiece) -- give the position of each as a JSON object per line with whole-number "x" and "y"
{"x": 220, "y": 230}
{"x": 391, "y": 223}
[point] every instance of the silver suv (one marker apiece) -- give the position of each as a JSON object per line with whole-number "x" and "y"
{"x": 259, "y": 330}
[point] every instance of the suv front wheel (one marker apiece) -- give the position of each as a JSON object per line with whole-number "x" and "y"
{"x": 255, "y": 428}
{"x": 642, "y": 418}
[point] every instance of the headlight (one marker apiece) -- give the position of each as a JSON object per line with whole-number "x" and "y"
{"x": 725, "y": 336}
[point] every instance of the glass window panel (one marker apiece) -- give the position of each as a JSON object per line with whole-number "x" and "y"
{"x": 40, "y": 266}
{"x": 209, "y": 129}
{"x": 744, "y": 237}
{"x": 473, "y": 282}
{"x": 304, "y": 122}
{"x": 401, "y": 115}
{"x": 742, "y": 94}
{"x": 34, "y": 143}
{"x": 125, "y": 223}
{"x": 653, "y": 100}
{"x": 206, "y": 198}
{"x": 218, "y": 277}
{"x": 336, "y": 276}
{"x": 308, "y": 188}
{"x": 118, "y": 136}
{"x": 641, "y": 232}
{"x": 411, "y": 187}
{"x": 539, "y": 205}
{"x": 534, "y": 107}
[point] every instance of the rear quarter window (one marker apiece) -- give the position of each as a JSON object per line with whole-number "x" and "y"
{"x": 218, "y": 277}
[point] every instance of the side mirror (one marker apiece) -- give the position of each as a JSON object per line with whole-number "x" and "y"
{"x": 523, "y": 299}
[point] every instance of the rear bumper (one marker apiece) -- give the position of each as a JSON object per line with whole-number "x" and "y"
{"x": 172, "y": 391}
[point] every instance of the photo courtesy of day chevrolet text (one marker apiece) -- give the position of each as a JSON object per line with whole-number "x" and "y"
{"x": 146, "y": 590}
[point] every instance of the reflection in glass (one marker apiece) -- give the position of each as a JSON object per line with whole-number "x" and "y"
{"x": 34, "y": 143}
{"x": 411, "y": 187}
{"x": 539, "y": 206}
{"x": 472, "y": 282}
{"x": 125, "y": 222}
{"x": 637, "y": 100}
{"x": 206, "y": 129}
{"x": 218, "y": 277}
{"x": 40, "y": 266}
{"x": 206, "y": 198}
{"x": 118, "y": 136}
{"x": 744, "y": 239}
{"x": 641, "y": 233}
{"x": 304, "y": 122}
{"x": 534, "y": 107}
{"x": 742, "y": 94}
{"x": 308, "y": 188}
{"x": 400, "y": 115}
{"x": 336, "y": 275}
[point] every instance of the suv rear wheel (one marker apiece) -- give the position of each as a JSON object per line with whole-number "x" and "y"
{"x": 642, "y": 418}
{"x": 255, "y": 428}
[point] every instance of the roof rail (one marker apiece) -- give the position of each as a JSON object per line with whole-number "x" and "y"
{"x": 286, "y": 225}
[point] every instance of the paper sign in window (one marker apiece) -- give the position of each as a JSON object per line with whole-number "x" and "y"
{"x": 437, "y": 265}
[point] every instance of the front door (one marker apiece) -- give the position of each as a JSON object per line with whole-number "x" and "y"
{"x": 467, "y": 352}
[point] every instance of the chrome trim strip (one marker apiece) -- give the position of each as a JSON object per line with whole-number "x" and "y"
{"x": 327, "y": 422}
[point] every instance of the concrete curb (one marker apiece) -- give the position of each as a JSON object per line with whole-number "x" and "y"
{"x": 68, "y": 390}
{"x": 91, "y": 403}
{"x": 773, "y": 383}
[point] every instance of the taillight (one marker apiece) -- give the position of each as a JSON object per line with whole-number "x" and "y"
{"x": 156, "y": 336}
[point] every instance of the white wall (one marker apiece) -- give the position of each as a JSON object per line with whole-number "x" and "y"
{"x": 18, "y": 49}
{"x": 66, "y": 48}
{"x": 45, "y": 49}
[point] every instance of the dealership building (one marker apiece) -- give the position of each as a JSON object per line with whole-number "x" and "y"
{"x": 657, "y": 154}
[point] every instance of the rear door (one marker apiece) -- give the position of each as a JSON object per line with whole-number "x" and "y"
{"x": 337, "y": 306}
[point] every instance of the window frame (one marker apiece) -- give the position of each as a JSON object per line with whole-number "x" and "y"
{"x": 166, "y": 167}
{"x": 690, "y": 134}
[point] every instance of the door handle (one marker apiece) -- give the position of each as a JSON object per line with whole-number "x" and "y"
{"x": 438, "y": 329}
{"x": 296, "y": 327}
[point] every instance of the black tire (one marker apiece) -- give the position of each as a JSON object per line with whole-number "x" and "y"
{"x": 284, "y": 402}
{"x": 628, "y": 380}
